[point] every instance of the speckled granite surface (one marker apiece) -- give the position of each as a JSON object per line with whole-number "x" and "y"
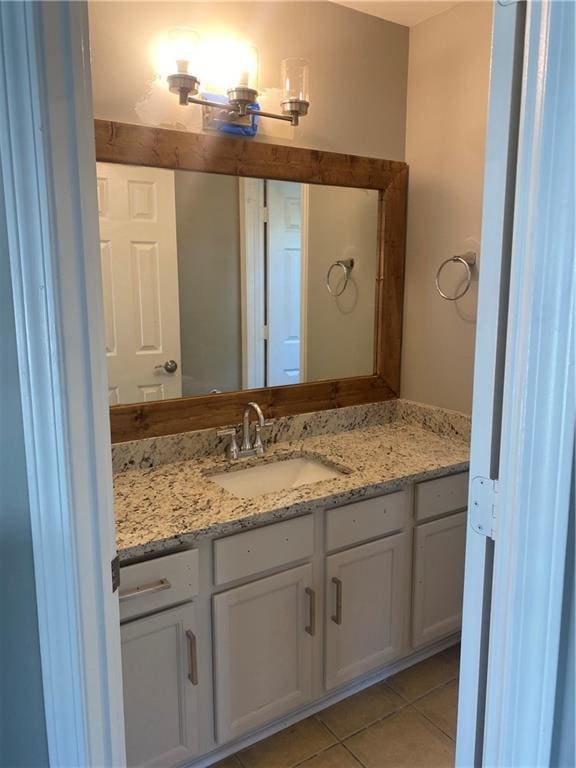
{"x": 173, "y": 504}
{"x": 154, "y": 451}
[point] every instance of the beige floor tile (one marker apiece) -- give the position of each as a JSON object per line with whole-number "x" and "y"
{"x": 362, "y": 709}
{"x": 335, "y": 757}
{"x": 403, "y": 740}
{"x": 441, "y": 707}
{"x": 422, "y": 678}
{"x": 289, "y": 747}
{"x": 229, "y": 762}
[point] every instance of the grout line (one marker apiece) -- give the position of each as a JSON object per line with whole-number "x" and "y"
{"x": 338, "y": 739}
{"x": 433, "y": 690}
{"x": 374, "y": 722}
{"x": 425, "y": 716}
{"x": 310, "y": 757}
{"x": 354, "y": 757}
{"x": 379, "y": 720}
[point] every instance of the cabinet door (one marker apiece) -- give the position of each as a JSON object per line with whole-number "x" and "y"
{"x": 160, "y": 693}
{"x": 368, "y": 596}
{"x": 263, "y": 640}
{"x": 438, "y": 578}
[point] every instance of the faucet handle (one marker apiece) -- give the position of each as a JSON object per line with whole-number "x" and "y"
{"x": 269, "y": 422}
{"x": 232, "y": 451}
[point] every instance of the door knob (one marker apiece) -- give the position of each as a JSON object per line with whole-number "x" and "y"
{"x": 170, "y": 366}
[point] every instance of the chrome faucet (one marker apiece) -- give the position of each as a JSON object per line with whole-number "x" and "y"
{"x": 247, "y": 447}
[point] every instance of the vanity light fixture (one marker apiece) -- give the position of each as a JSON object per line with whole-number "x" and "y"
{"x": 242, "y": 96}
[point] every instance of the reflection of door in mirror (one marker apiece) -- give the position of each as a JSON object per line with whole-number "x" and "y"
{"x": 284, "y": 282}
{"x": 272, "y": 227}
{"x": 140, "y": 282}
{"x": 226, "y": 276}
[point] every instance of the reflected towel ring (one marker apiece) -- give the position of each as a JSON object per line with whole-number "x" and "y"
{"x": 469, "y": 260}
{"x": 347, "y": 265}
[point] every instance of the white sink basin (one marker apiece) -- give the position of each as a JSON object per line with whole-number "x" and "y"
{"x": 274, "y": 476}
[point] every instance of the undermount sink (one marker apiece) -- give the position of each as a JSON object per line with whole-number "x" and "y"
{"x": 274, "y": 476}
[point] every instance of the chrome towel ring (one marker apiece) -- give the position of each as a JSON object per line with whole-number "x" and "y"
{"x": 347, "y": 265}
{"x": 469, "y": 260}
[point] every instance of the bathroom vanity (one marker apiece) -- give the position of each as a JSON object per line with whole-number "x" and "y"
{"x": 269, "y": 574}
{"x": 241, "y": 615}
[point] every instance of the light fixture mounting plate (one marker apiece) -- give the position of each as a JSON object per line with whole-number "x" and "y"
{"x": 213, "y": 118}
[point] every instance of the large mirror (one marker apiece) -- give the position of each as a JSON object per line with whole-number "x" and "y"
{"x": 238, "y": 270}
{"x": 216, "y": 283}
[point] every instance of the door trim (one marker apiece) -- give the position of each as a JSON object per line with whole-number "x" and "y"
{"x": 539, "y": 420}
{"x": 498, "y": 211}
{"x": 49, "y": 175}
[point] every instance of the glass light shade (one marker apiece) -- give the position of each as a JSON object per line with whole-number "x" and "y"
{"x": 228, "y": 63}
{"x": 183, "y": 44}
{"x": 295, "y": 80}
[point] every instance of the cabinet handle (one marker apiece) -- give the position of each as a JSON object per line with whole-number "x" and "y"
{"x": 311, "y": 628}
{"x": 192, "y": 657}
{"x": 337, "y": 617}
{"x": 145, "y": 589}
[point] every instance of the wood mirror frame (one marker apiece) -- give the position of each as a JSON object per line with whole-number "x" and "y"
{"x": 176, "y": 150}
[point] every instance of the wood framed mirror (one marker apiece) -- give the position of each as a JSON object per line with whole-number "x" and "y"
{"x": 135, "y": 145}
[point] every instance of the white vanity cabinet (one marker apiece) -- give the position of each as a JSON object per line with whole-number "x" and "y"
{"x": 439, "y": 548}
{"x": 238, "y": 634}
{"x": 263, "y": 641}
{"x": 367, "y": 603}
{"x": 160, "y": 663}
{"x": 160, "y": 673}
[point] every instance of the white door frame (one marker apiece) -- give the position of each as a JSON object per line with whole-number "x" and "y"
{"x": 492, "y": 312}
{"x": 252, "y": 277}
{"x": 304, "y": 272}
{"x": 49, "y": 173}
{"x": 530, "y": 446}
{"x": 538, "y": 420}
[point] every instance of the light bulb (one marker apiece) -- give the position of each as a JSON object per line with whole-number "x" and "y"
{"x": 177, "y": 52}
{"x": 228, "y": 63}
{"x": 183, "y": 44}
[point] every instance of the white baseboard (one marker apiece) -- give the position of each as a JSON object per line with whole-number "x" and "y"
{"x": 321, "y": 703}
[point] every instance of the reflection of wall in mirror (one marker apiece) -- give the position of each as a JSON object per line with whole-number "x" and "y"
{"x": 209, "y": 281}
{"x": 340, "y": 338}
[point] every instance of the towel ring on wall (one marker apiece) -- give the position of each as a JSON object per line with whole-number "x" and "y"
{"x": 469, "y": 260}
{"x": 347, "y": 265}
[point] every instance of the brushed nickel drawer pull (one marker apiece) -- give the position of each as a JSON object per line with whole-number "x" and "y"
{"x": 144, "y": 589}
{"x": 311, "y": 628}
{"x": 192, "y": 657}
{"x": 337, "y": 617}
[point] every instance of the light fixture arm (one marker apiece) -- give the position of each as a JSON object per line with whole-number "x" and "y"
{"x": 233, "y": 111}
{"x": 241, "y": 101}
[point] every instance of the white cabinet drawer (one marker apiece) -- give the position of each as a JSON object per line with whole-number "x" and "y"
{"x": 155, "y": 584}
{"x": 440, "y": 496}
{"x": 367, "y": 519}
{"x": 271, "y": 546}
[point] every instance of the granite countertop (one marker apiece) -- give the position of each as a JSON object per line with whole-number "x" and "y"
{"x": 173, "y": 505}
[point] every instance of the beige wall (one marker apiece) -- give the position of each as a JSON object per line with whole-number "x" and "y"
{"x": 446, "y": 118}
{"x": 342, "y": 224}
{"x": 207, "y": 228}
{"x": 354, "y": 58}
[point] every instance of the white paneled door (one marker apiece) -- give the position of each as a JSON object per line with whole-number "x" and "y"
{"x": 284, "y": 282}
{"x": 138, "y": 249}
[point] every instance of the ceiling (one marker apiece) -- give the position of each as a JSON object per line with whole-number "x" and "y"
{"x": 406, "y": 12}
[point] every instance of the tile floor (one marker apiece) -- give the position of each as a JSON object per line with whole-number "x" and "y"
{"x": 409, "y": 721}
